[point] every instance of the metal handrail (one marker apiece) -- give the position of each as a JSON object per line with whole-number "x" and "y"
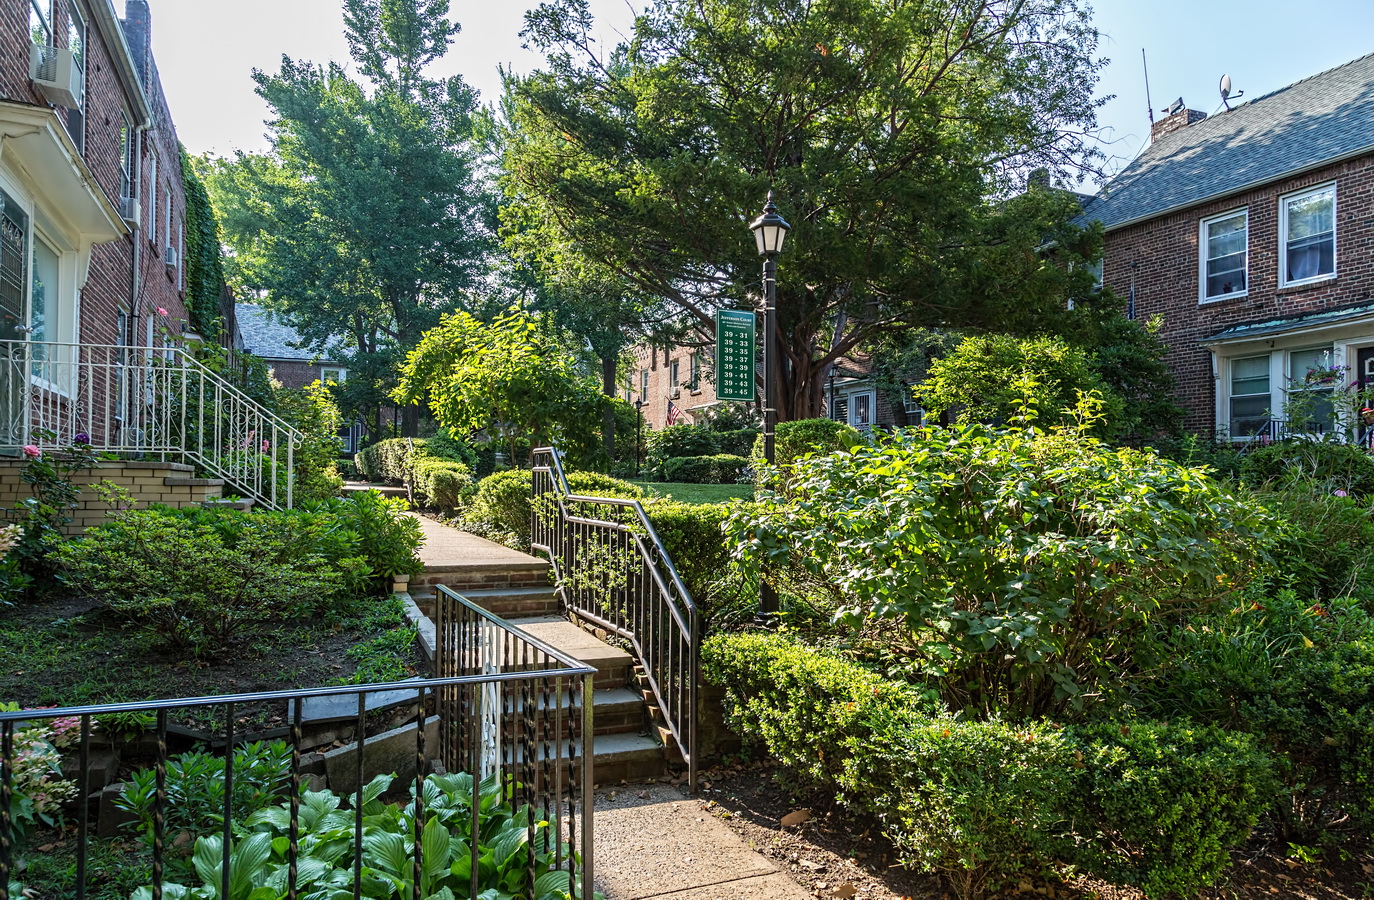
{"x": 145, "y": 400}
{"x": 670, "y": 661}
{"x": 522, "y": 720}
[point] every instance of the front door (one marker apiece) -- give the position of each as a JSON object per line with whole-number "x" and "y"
{"x": 1364, "y": 373}
{"x": 14, "y": 233}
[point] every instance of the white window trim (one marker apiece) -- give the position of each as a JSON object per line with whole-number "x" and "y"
{"x": 851, "y": 406}
{"x": 1284, "y": 200}
{"x": 152, "y": 197}
{"x": 1202, "y": 224}
{"x": 340, "y": 374}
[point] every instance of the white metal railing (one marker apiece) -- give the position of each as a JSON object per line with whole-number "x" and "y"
{"x": 155, "y": 401}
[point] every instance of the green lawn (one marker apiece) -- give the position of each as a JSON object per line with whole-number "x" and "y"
{"x": 699, "y": 493}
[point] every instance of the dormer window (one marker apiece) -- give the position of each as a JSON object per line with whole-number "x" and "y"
{"x": 1225, "y": 255}
{"x": 1307, "y": 235}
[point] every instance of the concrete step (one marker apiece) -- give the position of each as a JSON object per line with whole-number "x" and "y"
{"x": 616, "y": 757}
{"x": 478, "y": 576}
{"x": 188, "y": 481}
{"x": 612, "y": 664}
{"x": 505, "y": 602}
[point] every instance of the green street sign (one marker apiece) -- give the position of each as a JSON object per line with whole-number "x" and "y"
{"x": 735, "y": 354}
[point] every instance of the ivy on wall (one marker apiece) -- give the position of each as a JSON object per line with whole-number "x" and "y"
{"x": 204, "y": 265}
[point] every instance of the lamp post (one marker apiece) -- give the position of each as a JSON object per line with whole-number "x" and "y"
{"x": 770, "y": 230}
{"x": 639, "y": 435}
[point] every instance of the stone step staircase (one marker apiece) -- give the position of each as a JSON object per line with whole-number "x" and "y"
{"x": 627, "y": 745}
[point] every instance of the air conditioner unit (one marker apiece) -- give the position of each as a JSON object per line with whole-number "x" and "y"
{"x": 55, "y": 72}
{"x": 130, "y": 210}
{"x": 171, "y": 257}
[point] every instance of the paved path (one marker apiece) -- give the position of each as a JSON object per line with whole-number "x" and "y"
{"x": 665, "y": 845}
{"x": 447, "y": 546}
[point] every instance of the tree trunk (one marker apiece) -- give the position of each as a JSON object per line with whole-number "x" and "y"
{"x": 608, "y": 366}
{"x": 410, "y": 421}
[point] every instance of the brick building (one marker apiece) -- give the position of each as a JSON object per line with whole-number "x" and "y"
{"x": 1251, "y": 232}
{"x": 685, "y": 378}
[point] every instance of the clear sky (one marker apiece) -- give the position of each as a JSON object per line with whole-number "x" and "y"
{"x": 206, "y": 50}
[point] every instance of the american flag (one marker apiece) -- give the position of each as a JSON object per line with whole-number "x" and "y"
{"x": 673, "y": 413}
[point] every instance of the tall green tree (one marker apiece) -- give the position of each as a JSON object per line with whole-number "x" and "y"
{"x": 893, "y": 134}
{"x": 366, "y": 221}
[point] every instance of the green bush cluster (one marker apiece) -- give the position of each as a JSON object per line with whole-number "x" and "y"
{"x": 501, "y": 506}
{"x": 795, "y": 440}
{"x": 437, "y": 471}
{"x": 313, "y": 412}
{"x": 693, "y": 535}
{"x": 720, "y": 468}
{"x": 197, "y": 576}
{"x": 1154, "y": 805}
{"x": 1330, "y": 464}
{"x": 688, "y": 441}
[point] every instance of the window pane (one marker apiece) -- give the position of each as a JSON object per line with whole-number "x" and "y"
{"x": 1226, "y": 255}
{"x": 14, "y": 230}
{"x": 1250, "y": 376}
{"x": 76, "y": 35}
{"x": 1249, "y": 414}
{"x": 1311, "y": 215}
{"x": 1302, "y": 362}
{"x": 1312, "y": 257}
{"x": 43, "y": 300}
{"x": 40, "y": 22}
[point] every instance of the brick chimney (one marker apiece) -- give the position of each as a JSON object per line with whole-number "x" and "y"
{"x": 138, "y": 31}
{"x": 1181, "y": 119}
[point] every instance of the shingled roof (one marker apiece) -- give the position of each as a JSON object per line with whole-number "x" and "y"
{"x": 267, "y": 337}
{"x": 1311, "y": 123}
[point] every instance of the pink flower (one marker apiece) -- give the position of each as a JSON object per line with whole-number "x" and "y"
{"x": 162, "y": 312}
{"x": 1340, "y": 493}
{"x": 32, "y": 452}
{"x": 266, "y": 445}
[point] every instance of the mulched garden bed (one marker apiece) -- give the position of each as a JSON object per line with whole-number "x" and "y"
{"x": 836, "y": 854}
{"x": 73, "y": 650}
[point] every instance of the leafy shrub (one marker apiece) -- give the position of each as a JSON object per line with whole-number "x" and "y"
{"x": 314, "y": 413}
{"x": 393, "y": 461}
{"x": 197, "y": 576}
{"x": 679, "y": 441}
{"x": 502, "y": 501}
{"x": 1299, "y": 677}
{"x": 53, "y": 495}
{"x": 195, "y": 786}
{"x": 795, "y": 440}
{"x": 736, "y": 441}
{"x": 1333, "y": 465}
{"x": 987, "y": 377}
{"x": 975, "y": 801}
{"x": 693, "y": 534}
{"x": 721, "y": 468}
{"x": 1161, "y": 806}
{"x": 1325, "y": 547}
{"x": 36, "y": 784}
{"x": 442, "y": 483}
{"x": 519, "y": 855}
{"x": 1024, "y": 568}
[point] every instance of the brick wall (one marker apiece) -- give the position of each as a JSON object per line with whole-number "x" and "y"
{"x": 169, "y": 484}
{"x": 1162, "y": 255}
{"x": 658, "y": 363}
{"x": 294, "y": 373}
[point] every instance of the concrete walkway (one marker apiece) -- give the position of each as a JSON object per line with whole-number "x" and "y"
{"x": 663, "y": 844}
{"x": 446, "y": 546}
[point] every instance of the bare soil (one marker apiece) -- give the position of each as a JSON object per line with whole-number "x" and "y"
{"x": 838, "y": 854}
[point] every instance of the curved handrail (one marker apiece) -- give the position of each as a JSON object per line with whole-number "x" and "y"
{"x": 667, "y": 583}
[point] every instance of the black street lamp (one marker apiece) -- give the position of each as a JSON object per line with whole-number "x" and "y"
{"x": 770, "y": 230}
{"x": 639, "y": 435}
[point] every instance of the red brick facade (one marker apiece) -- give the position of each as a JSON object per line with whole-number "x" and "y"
{"x": 1160, "y": 258}
{"x": 119, "y": 273}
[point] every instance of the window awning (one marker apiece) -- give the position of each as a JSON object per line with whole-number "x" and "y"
{"x": 1292, "y": 325}
{"x": 36, "y": 148}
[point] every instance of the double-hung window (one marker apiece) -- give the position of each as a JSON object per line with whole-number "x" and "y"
{"x": 333, "y": 375}
{"x": 1250, "y": 400}
{"x": 1313, "y": 378}
{"x": 1307, "y": 235}
{"x": 694, "y": 367}
{"x": 644, "y": 384}
{"x": 76, "y": 43}
{"x": 674, "y": 388}
{"x": 128, "y": 152}
{"x": 1225, "y": 255}
{"x": 861, "y": 408}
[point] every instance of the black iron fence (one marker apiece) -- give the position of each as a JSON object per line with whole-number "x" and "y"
{"x": 472, "y": 781}
{"x": 614, "y": 572}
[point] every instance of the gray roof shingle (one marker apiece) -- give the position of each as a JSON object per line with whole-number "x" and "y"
{"x": 265, "y": 336}
{"x": 1316, "y": 120}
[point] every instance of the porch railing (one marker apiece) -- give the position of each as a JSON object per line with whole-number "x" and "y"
{"x": 148, "y": 401}
{"x": 614, "y": 572}
{"x": 513, "y": 715}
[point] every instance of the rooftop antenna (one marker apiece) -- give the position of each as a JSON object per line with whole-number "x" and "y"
{"x": 1150, "y": 106}
{"x": 1226, "y": 91}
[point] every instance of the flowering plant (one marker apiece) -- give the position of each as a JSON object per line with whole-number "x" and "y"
{"x": 35, "y": 778}
{"x": 1325, "y": 375}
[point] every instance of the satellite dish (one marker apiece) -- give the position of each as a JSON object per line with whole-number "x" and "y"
{"x": 1226, "y": 91}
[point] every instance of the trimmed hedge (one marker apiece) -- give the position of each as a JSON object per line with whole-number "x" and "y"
{"x": 393, "y": 460}
{"x": 793, "y": 440}
{"x": 443, "y": 483}
{"x": 722, "y": 468}
{"x": 1149, "y": 804}
{"x": 1166, "y": 803}
{"x": 501, "y": 505}
{"x": 693, "y": 536}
